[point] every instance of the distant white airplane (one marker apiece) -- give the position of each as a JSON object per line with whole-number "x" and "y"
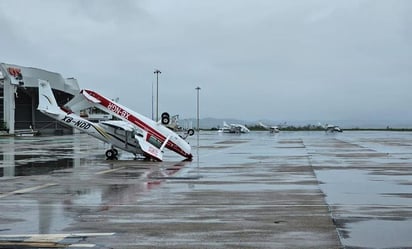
{"x": 272, "y": 129}
{"x": 152, "y": 136}
{"x": 233, "y": 128}
{"x": 118, "y": 134}
{"x": 331, "y": 128}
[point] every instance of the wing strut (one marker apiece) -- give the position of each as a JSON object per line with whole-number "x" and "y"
{"x": 164, "y": 143}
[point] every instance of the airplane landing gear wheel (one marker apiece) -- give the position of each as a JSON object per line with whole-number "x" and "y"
{"x": 165, "y": 118}
{"x": 190, "y": 132}
{"x": 112, "y": 154}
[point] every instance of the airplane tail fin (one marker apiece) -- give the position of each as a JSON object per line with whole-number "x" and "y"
{"x": 47, "y": 101}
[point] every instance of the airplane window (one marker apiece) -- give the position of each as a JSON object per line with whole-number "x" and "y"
{"x": 154, "y": 142}
{"x": 120, "y": 132}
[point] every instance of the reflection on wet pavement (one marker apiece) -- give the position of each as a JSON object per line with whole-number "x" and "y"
{"x": 289, "y": 190}
{"x": 366, "y": 177}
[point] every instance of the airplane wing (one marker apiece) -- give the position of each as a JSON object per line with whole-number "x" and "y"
{"x": 119, "y": 124}
{"x": 81, "y": 102}
{"x": 90, "y": 97}
{"x": 78, "y": 103}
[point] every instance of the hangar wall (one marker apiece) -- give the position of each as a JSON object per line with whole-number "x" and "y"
{"x": 19, "y": 98}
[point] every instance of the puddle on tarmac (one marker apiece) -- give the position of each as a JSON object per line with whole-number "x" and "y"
{"x": 359, "y": 187}
{"x": 371, "y": 202}
{"x": 34, "y": 167}
{"x": 379, "y": 234}
{"x": 253, "y": 187}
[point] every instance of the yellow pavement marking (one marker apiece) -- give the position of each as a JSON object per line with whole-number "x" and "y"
{"x": 26, "y": 190}
{"x": 56, "y": 235}
{"x": 49, "y": 240}
{"x": 109, "y": 170}
{"x": 82, "y": 245}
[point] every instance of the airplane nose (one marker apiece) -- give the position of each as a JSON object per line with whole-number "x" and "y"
{"x": 187, "y": 149}
{"x": 184, "y": 148}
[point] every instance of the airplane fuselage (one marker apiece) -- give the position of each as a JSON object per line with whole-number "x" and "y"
{"x": 124, "y": 140}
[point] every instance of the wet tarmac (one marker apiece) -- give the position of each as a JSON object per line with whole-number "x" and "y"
{"x": 257, "y": 190}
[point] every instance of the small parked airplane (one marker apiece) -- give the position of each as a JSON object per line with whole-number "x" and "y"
{"x": 233, "y": 128}
{"x": 152, "y": 136}
{"x": 331, "y": 128}
{"x": 118, "y": 134}
{"x": 272, "y": 129}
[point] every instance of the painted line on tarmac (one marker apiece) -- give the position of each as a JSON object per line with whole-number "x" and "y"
{"x": 47, "y": 240}
{"x": 56, "y": 235}
{"x": 109, "y": 171}
{"x": 27, "y": 190}
{"x": 82, "y": 245}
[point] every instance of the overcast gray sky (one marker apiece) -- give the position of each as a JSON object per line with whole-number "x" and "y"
{"x": 254, "y": 59}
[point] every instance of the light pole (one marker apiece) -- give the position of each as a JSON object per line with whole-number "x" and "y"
{"x": 157, "y": 71}
{"x": 197, "y": 133}
{"x": 152, "y": 101}
{"x": 198, "y": 90}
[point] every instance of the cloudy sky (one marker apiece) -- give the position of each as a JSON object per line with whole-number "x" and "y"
{"x": 253, "y": 59}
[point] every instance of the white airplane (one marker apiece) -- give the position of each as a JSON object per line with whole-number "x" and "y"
{"x": 331, "y": 128}
{"x": 272, "y": 129}
{"x": 233, "y": 128}
{"x": 118, "y": 134}
{"x": 152, "y": 136}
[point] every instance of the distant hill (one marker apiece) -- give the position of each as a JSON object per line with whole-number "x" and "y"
{"x": 209, "y": 123}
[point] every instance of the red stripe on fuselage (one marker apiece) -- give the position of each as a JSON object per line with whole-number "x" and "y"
{"x": 106, "y": 102}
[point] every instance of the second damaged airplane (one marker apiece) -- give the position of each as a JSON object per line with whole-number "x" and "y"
{"x": 233, "y": 128}
{"x": 120, "y": 134}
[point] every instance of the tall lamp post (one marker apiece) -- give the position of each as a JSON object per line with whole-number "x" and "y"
{"x": 198, "y": 90}
{"x": 152, "y": 101}
{"x": 157, "y": 71}
{"x": 197, "y": 133}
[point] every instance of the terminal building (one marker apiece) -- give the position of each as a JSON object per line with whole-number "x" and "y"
{"x": 19, "y": 99}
